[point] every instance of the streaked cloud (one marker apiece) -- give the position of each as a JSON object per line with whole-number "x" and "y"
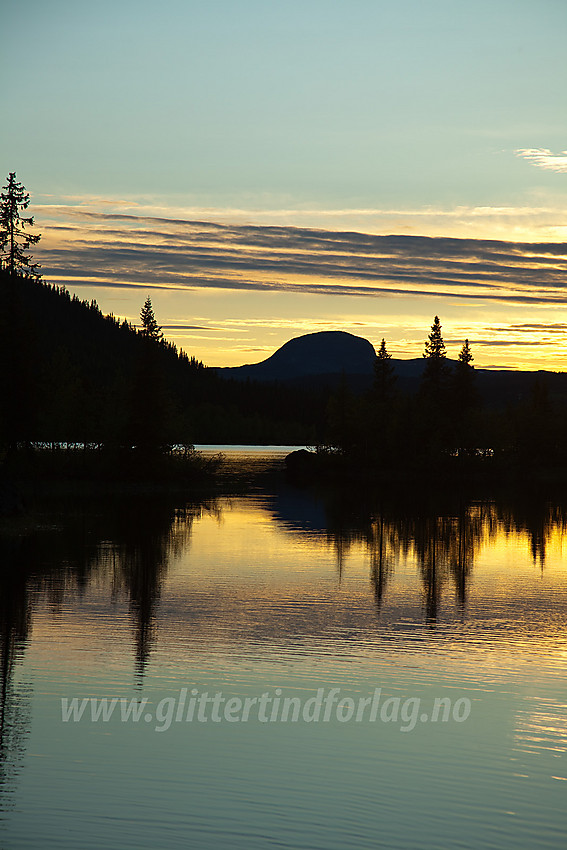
{"x": 127, "y": 251}
{"x": 183, "y": 327}
{"x": 517, "y": 223}
{"x": 544, "y": 158}
{"x": 225, "y": 289}
{"x": 555, "y": 328}
{"x": 493, "y": 343}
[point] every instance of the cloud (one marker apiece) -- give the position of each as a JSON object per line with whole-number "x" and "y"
{"x": 559, "y": 328}
{"x": 513, "y": 342}
{"x": 507, "y": 222}
{"x": 544, "y": 158}
{"x": 115, "y": 250}
{"x": 184, "y": 327}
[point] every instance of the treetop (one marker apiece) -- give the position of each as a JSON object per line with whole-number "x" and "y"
{"x": 14, "y": 238}
{"x": 434, "y": 345}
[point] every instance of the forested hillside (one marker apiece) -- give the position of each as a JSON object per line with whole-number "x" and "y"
{"x": 72, "y": 374}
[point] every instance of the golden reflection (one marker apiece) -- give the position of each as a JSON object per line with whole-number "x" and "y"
{"x": 541, "y": 724}
{"x": 383, "y": 553}
{"x": 267, "y": 568}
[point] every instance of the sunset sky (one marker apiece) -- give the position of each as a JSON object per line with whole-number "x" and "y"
{"x": 264, "y": 169}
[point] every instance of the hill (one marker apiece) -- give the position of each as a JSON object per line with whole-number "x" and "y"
{"x": 326, "y": 357}
{"x": 322, "y": 353}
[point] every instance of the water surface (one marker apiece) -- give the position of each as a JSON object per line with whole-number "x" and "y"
{"x": 283, "y": 591}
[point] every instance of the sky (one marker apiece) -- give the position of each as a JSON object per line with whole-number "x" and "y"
{"x": 265, "y": 169}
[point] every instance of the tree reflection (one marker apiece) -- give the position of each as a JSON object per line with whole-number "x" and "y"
{"x": 69, "y": 548}
{"x": 381, "y": 548}
{"x": 147, "y": 534}
{"x": 473, "y": 525}
{"x": 443, "y": 532}
{"x": 430, "y": 546}
{"x": 14, "y": 629}
{"x": 538, "y": 518}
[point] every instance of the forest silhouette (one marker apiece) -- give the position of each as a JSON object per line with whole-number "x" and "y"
{"x": 78, "y": 377}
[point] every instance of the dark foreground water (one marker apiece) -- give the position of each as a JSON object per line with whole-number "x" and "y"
{"x": 306, "y": 672}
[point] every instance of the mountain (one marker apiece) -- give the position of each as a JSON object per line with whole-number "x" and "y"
{"x": 328, "y": 354}
{"x": 321, "y": 359}
{"x": 323, "y": 353}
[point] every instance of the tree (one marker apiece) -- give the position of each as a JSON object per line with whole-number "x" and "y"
{"x": 150, "y": 328}
{"x": 465, "y": 355}
{"x": 435, "y": 374}
{"x": 14, "y": 239}
{"x": 464, "y": 398}
{"x": 383, "y": 412}
{"x": 537, "y": 427}
{"x": 463, "y": 381}
{"x": 433, "y": 393}
{"x": 384, "y": 375}
{"x": 148, "y": 421}
{"x": 434, "y": 345}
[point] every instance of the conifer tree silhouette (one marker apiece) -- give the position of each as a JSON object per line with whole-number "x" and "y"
{"x": 433, "y": 392}
{"x": 434, "y": 345}
{"x": 384, "y": 375}
{"x": 150, "y": 328}
{"x": 14, "y": 238}
{"x": 464, "y": 398}
{"x": 436, "y": 371}
{"x": 465, "y": 355}
{"x": 464, "y": 389}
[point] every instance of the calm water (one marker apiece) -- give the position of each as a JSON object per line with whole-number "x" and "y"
{"x": 284, "y": 593}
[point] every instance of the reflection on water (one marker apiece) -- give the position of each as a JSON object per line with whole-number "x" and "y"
{"x": 141, "y": 594}
{"x": 14, "y": 698}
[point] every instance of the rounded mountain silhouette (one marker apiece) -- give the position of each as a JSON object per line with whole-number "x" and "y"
{"x": 323, "y": 353}
{"x": 321, "y": 359}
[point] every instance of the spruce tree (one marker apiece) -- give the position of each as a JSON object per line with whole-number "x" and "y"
{"x": 464, "y": 397}
{"x": 433, "y": 392}
{"x": 14, "y": 239}
{"x": 150, "y": 328}
{"x": 383, "y": 409}
{"x": 384, "y": 375}
{"x": 147, "y": 424}
{"x": 435, "y": 375}
{"x": 463, "y": 381}
{"x": 434, "y": 345}
{"x": 465, "y": 355}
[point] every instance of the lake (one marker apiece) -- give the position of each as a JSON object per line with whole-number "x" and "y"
{"x": 285, "y": 668}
